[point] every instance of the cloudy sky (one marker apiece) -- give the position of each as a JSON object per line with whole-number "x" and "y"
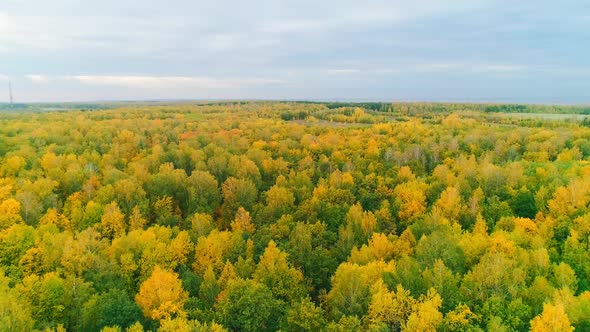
{"x": 435, "y": 50}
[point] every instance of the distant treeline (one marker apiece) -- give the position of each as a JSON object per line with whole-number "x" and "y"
{"x": 410, "y": 108}
{"x": 53, "y": 106}
{"x": 559, "y": 109}
{"x": 421, "y": 107}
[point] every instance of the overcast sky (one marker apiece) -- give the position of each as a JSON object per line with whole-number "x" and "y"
{"x": 447, "y": 50}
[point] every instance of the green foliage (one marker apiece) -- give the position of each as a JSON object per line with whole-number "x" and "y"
{"x": 305, "y": 316}
{"x": 247, "y": 305}
{"x": 114, "y": 308}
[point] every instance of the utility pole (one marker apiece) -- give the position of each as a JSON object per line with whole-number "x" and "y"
{"x": 10, "y": 94}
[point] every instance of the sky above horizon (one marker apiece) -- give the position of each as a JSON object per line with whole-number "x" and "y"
{"x": 389, "y": 50}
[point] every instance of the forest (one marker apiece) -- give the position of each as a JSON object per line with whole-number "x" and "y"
{"x": 294, "y": 216}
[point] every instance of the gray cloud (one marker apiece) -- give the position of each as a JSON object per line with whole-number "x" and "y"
{"x": 163, "y": 82}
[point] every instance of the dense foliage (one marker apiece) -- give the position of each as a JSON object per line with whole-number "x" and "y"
{"x": 293, "y": 216}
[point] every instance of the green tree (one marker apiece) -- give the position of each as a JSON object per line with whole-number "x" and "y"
{"x": 113, "y": 308}
{"x": 305, "y": 316}
{"x": 237, "y": 193}
{"x": 247, "y": 305}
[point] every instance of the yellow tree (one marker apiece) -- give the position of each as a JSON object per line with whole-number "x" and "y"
{"x": 552, "y": 319}
{"x": 15, "y": 314}
{"x": 459, "y": 319}
{"x": 426, "y": 316}
{"x": 242, "y": 222}
{"x": 212, "y": 250}
{"x": 274, "y": 271}
{"x": 53, "y": 217}
{"x": 405, "y": 244}
{"x": 161, "y": 296}
{"x": 379, "y": 248}
{"x": 351, "y": 287}
{"x": 567, "y": 200}
{"x": 279, "y": 201}
{"x": 184, "y": 325}
{"x": 9, "y": 213}
{"x": 390, "y": 308}
{"x": 449, "y": 204}
{"x": 179, "y": 249}
{"x": 13, "y": 165}
{"x": 136, "y": 219}
{"x": 411, "y": 199}
{"x": 112, "y": 222}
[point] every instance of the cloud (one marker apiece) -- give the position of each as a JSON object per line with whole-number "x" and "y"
{"x": 329, "y": 16}
{"x": 452, "y": 67}
{"x": 26, "y": 34}
{"x": 38, "y": 78}
{"x": 343, "y": 71}
{"x": 435, "y": 67}
{"x": 160, "y": 82}
{"x": 500, "y": 68}
{"x": 3, "y": 77}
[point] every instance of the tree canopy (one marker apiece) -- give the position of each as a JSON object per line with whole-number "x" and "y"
{"x": 266, "y": 216}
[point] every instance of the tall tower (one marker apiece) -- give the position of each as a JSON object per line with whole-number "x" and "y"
{"x": 10, "y": 94}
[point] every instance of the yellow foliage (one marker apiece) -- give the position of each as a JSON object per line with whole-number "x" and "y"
{"x": 274, "y": 271}
{"x": 341, "y": 179}
{"x": 10, "y": 207}
{"x": 6, "y": 186}
{"x": 411, "y": 198}
{"x": 452, "y": 121}
{"x": 351, "y": 283}
{"x": 136, "y": 220}
{"x": 227, "y": 275}
{"x": 379, "y": 248}
{"x": 449, "y": 204}
{"x": 391, "y": 308}
{"x": 9, "y": 213}
{"x": 32, "y": 261}
{"x": 552, "y": 319}
{"x": 55, "y": 218}
{"x": 567, "y": 200}
{"x": 112, "y": 222}
{"x": 372, "y": 149}
{"x": 525, "y": 225}
{"x": 405, "y": 244}
{"x": 570, "y": 154}
{"x": 136, "y": 327}
{"x": 459, "y": 319}
{"x": 15, "y": 164}
{"x": 426, "y": 316}
{"x": 179, "y": 249}
{"x": 405, "y": 173}
{"x": 161, "y": 296}
{"x": 500, "y": 243}
{"x": 211, "y": 250}
{"x": 243, "y": 222}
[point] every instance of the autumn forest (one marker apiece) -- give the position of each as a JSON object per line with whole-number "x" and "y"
{"x": 295, "y": 216}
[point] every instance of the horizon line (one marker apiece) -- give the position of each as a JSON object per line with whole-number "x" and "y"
{"x": 482, "y": 101}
